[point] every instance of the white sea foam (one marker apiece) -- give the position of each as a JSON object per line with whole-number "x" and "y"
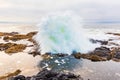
{"x": 63, "y": 33}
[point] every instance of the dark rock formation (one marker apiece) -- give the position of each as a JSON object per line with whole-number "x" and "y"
{"x": 48, "y": 75}
{"x": 96, "y": 58}
{"x": 99, "y": 41}
{"x": 12, "y": 47}
{"x": 116, "y": 54}
{"x": 34, "y": 53}
{"x": 117, "y": 34}
{"x": 92, "y": 57}
{"x": 8, "y": 34}
{"x": 14, "y": 36}
{"x": 99, "y": 54}
{"x": 102, "y": 52}
{"x": 77, "y": 55}
{"x": 4, "y": 77}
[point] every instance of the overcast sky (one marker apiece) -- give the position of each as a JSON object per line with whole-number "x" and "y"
{"x": 32, "y": 10}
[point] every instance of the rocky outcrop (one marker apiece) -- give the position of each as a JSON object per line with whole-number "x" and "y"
{"x": 15, "y": 49}
{"x": 48, "y": 75}
{"x": 99, "y": 54}
{"x": 117, "y": 34}
{"x": 12, "y": 47}
{"x": 15, "y": 36}
{"x": 91, "y": 57}
{"x": 102, "y": 52}
{"x": 6, "y": 76}
{"x": 99, "y": 41}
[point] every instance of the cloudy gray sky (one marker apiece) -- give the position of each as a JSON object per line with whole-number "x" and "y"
{"x": 33, "y": 10}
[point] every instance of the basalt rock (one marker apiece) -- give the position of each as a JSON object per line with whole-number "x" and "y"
{"x": 96, "y": 58}
{"x": 99, "y": 41}
{"x": 4, "y": 77}
{"x": 31, "y": 34}
{"x": 1, "y": 34}
{"x": 8, "y": 34}
{"x": 46, "y": 56}
{"x": 102, "y": 52}
{"x": 6, "y": 38}
{"x": 34, "y": 53}
{"x": 89, "y": 57}
{"x": 18, "y": 37}
{"x": 15, "y": 49}
{"x": 14, "y": 36}
{"x": 99, "y": 54}
{"x": 49, "y": 75}
{"x": 77, "y": 55}
{"x": 4, "y": 46}
{"x": 116, "y": 53}
{"x": 33, "y": 41}
{"x": 61, "y": 54}
{"x": 117, "y": 34}
{"x": 12, "y": 47}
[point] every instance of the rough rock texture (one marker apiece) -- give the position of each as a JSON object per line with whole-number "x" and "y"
{"x": 10, "y": 75}
{"x": 48, "y": 75}
{"x": 8, "y": 34}
{"x": 16, "y": 48}
{"x": 99, "y": 54}
{"x": 89, "y": 56}
{"x": 117, "y": 34}
{"x": 99, "y": 41}
{"x": 15, "y": 36}
{"x": 116, "y": 52}
{"x": 12, "y": 47}
{"x": 102, "y": 52}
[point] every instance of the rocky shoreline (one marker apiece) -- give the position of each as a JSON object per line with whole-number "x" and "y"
{"x": 48, "y": 75}
{"x": 102, "y": 53}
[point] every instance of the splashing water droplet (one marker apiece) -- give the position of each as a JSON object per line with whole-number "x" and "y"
{"x": 63, "y": 33}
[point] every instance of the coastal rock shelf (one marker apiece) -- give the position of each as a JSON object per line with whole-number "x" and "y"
{"x": 12, "y": 47}
{"x": 103, "y": 53}
{"x": 48, "y": 75}
{"x": 10, "y": 44}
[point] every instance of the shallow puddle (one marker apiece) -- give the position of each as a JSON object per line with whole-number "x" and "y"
{"x": 106, "y": 70}
{"x": 23, "y": 61}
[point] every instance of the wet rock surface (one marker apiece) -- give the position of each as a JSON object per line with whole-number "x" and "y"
{"x": 116, "y": 52}
{"x": 117, "y": 34}
{"x": 8, "y": 34}
{"x": 101, "y": 54}
{"x": 10, "y": 75}
{"x": 15, "y": 36}
{"x": 92, "y": 57}
{"x": 11, "y": 47}
{"x": 99, "y": 41}
{"x": 48, "y": 75}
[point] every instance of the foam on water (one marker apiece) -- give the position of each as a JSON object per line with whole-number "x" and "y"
{"x": 63, "y": 33}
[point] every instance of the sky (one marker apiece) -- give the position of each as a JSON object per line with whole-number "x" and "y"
{"x": 33, "y": 10}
